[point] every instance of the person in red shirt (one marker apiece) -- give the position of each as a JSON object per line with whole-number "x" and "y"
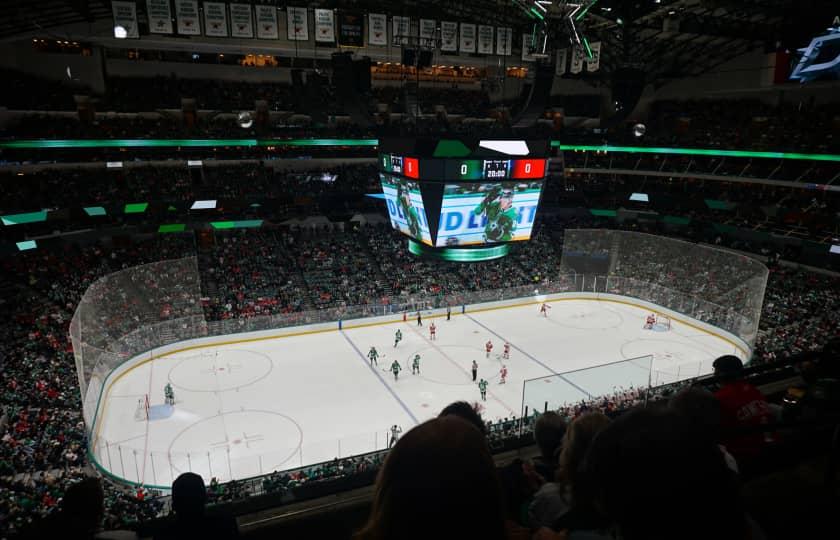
{"x": 743, "y": 407}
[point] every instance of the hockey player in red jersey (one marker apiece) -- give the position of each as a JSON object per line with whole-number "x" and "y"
{"x": 503, "y": 374}
{"x": 506, "y": 354}
{"x": 650, "y": 321}
{"x": 488, "y": 347}
{"x": 432, "y": 330}
{"x": 544, "y": 309}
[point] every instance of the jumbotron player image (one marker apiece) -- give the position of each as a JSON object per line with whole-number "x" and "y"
{"x": 408, "y": 210}
{"x": 497, "y": 206}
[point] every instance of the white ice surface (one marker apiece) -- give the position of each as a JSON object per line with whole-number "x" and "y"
{"x": 250, "y": 408}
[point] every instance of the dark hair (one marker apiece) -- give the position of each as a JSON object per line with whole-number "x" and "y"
{"x": 701, "y": 408}
{"x": 188, "y": 495}
{"x": 464, "y": 410}
{"x": 656, "y": 478}
{"x": 439, "y": 481}
{"x": 728, "y": 366}
{"x": 549, "y": 431}
{"x": 84, "y": 504}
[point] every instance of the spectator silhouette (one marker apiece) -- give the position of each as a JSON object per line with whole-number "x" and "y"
{"x": 464, "y": 410}
{"x": 439, "y": 482}
{"x": 79, "y": 516}
{"x": 656, "y": 478}
{"x": 189, "y": 497}
{"x": 549, "y": 431}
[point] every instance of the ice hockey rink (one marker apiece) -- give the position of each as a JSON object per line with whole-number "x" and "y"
{"x": 246, "y": 408}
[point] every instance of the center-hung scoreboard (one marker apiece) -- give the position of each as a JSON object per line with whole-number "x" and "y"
{"x": 463, "y": 199}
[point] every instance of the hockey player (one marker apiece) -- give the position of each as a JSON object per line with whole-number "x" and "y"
{"x": 395, "y": 434}
{"x": 506, "y": 354}
{"x": 415, "y": 365}
{"x": 650, "y": 321}
{"x": 419, "y": 319}
{"x": 169, "y": 394}
{"x": 448, "y": 312}
{"x": 395, "y": 369}
{"x": 488, "y": 347}
{"x": 474, "y": 369}
{"x": 397, "y": 337}
{"x": 482, "y": 387}
{"x": 503, "y": 374}
{"x": 497, "y": 208}
{"x": 544, "y": 309}
{"x": 432, "y": 330}
{"x": 373, "y": 355}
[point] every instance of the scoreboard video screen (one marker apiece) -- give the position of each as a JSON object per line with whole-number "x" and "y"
{"x": 473, "y": 192}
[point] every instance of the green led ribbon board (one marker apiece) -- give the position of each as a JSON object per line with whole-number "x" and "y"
{"x": 458, "y": 255}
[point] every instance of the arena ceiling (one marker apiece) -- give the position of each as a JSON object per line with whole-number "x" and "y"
{"x": 665, "y": 38}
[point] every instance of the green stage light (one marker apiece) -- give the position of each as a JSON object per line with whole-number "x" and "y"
{"x": 135, "y": 208}
{"x": 18, "y": 219}
{"x": 95, "y": 211}
{"x": 459, "y": 255}
{"x": 172, "y": 228}
{"x": 26, "y": 245}
{"x": 695, "y": 152}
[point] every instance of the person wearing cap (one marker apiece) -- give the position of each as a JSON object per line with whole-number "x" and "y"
{"x": 497, "y": 207}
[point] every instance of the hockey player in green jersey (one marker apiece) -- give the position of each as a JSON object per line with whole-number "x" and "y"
{"x": 395, "y": 369}
{"x": 412, "y": 218}
{"x": 397, "y": 338}
{"x": 497, "y": 206}
{"x": 415, "y": 365}
{"x": 373, "y": 355}
{"x": 482, "y": 386}
{"x": 168, "y": 394}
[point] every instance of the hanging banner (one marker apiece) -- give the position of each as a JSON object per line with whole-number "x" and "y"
{"x": 448, "y": 36}
{"x": 594, "y": 63}
{"x": 160, "y": 16}
{"x": 401, "y": 30}
{"x": 351, "y": 25}
{"x": 215, "y": 19}
{"x": 427, "y": 32}
{"x": 241, "y": 22}
{"x": 297, "y": 25}
{"x": 577, "y": 60}
{"x": 125, "y": 15}
{"x": 504, "y": 41}
{"x": 528, "y": 48}
{"x": 186, "y": 17}
{"x": 377, "y": 29}
{"x": 267, "y": 27}
{"x": 560, "y": 65}
{"x": 467, "y": 38}
{"x": 324, "y": 26}
{"x": 485, "y": 39}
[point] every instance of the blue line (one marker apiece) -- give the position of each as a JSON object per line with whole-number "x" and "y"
{"x": 378, "y": 376}
{"x": 470, "y": 317}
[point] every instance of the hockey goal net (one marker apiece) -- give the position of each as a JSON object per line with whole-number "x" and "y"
{"x": 663, "y": 322}
{"x": 142, "y": 412}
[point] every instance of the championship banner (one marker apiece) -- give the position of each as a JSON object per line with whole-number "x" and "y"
{"x": 467, "y": 38}
{"x": 504, "y": 41}
{"x": 324, "y": 26}
{"x": 594, "y": 63}
{"x": 401, "y": 30}
{"x": 560, "y": 65}
{"x": 186, "y": 16}
{"x": 485, "y": 39}
{"x": 449, "y": 36}
{"x": 215, "y": 19}
{"x": 577, "y": 60}
{"x": 527, "y": 43}
{"x": 267, "y": 27}
{"x": 125, "y": 15}
{"x": 377, "y": 29}
{"x": 241, "y": 22}
{"x": 351, "y": 26}
{"x": 160, "y": 16}
{"x": 427, "y": 32}
{"x": 297, "y": 27}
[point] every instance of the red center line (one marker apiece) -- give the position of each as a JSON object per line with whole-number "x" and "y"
{"x": 456, "y": 364}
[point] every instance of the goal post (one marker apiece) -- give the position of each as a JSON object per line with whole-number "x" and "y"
{"x": 142, "y": 411}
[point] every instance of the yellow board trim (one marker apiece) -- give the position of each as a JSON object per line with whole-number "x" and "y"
{"x": 382, "y": 323}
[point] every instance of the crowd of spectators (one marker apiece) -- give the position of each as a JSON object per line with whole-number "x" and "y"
{"x": 44, "y": 437}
